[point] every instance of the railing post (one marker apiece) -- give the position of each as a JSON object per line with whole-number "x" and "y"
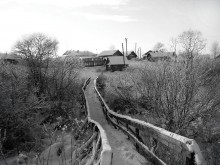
{"x": 127, "y": 129}
{"x": 137, "y": 135}
{"x": 190, "y": 160}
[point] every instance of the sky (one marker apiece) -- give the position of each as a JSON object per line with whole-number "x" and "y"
{"x": 98, "y": 25}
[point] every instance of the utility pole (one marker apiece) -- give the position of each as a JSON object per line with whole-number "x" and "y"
{"x": 126, "y": 42}
{"x": 139, "y": 52}
{"x": 123, "y": 53}
{"x": 122, "y": 48}
{"x": 135, "y": 48}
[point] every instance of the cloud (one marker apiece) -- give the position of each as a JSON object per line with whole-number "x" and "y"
{"x": 104, "y": 17}
{"x": 68, "y": 3}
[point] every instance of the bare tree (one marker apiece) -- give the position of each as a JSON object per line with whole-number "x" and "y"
{"x": 159, "y": 47}
{"x": 173, "y": 44}
{"x": 193, "y": 43}
{"x": 215, "y": 48}
{"x": 37, "y": 49}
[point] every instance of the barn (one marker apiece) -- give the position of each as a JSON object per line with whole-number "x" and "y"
{"x": 116, "y": 63}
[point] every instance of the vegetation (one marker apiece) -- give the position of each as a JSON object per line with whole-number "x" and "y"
{"x": 171, "y": 95}
{"x": 36, "y": 95}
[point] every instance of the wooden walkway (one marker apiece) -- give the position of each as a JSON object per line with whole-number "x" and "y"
{"x": 124, "y": 152}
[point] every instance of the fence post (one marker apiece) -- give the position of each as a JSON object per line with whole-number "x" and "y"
{"x": 137, "y": 135}
{"x": 190, "y": 160}
{"x": 127, "y": 129}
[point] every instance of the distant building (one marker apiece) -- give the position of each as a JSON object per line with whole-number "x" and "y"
{"x": 108, "y": 53}
{"x": 10, "y": 58}
{"x": 131, "y": 55}
{"x": 217, "y": 57}
{"x": 159, "y": 56}
{"x": 86, "y": 57}
{"x": 71, "y": 53}
{"x": 92, "y": 61}
{"x": 77, "y": 54}
{"x": 114, "y": 63}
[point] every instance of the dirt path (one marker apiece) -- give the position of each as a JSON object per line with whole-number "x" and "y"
{"x": 124, "y": 152}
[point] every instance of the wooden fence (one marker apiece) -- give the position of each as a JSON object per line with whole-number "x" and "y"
{"x": 148, "y": 139}
{"x": 95, "y": 61}
{"x": 98, "y": 140}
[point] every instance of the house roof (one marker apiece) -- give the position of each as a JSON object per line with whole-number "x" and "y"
{"x": 117, "y": 60}
{"x": 71, "y": 53}
{"x": 108, "y": 53}
{"x": 79, "y": 53}
{"x": 131, "y": 52}
{"x": 160, "y": 54}
{"x": 10, "y": 56}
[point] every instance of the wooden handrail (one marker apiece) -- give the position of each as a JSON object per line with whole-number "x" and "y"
{"x": 176, "y": 142}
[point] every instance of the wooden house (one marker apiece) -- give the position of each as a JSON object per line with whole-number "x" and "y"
{"x": 131, "y": 55}
{"x": 159, "y": 56}
{"x": 11, "y": 58}
{"x": 116, "y": 63}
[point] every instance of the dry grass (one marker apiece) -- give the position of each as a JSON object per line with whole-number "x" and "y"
{"x": 170, "y": 96}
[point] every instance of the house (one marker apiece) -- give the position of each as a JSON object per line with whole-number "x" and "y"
{"x": 159, "y": 56}
{"x": 108, "y": 53}
{"x": 114, "y": 63}
{"x": 11, "y": 58}
{"x": 131, "y": 54}
{"x": 86, "y": 57}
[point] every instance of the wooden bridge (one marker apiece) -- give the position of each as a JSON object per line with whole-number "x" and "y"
{"x": 157, "y": 145}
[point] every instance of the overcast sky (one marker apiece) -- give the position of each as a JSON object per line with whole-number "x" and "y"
{"x": 100, "y": 24}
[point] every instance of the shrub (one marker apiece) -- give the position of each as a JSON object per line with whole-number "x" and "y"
{"x": 23, "y": 110}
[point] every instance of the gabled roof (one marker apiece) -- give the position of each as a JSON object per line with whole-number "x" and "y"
{"x": 74, "y": 53}
{"x": 117, "y": 60}
{"x": 109, "y": 53}
{"x": 160, "y": 54}
{"x": 10, "y": 56}
{"x": 131, "y": 52}
{"x": 71, "y": 53}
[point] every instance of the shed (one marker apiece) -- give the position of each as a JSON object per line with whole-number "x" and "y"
{"x": 108, "y": 53}
{"x": 131, "y": 54}
{"x": 114, "y": 63}
{"x": 159, "y": 56}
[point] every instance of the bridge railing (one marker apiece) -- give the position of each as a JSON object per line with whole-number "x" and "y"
{"x": 99, "y": 139}
{"x": 148, "y": 138}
